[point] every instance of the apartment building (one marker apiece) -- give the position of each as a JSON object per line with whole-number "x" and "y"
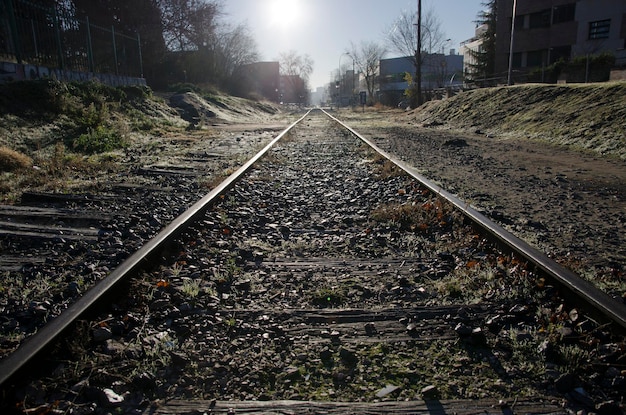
{"x": 470, "y": 47}
{"x": 548, "y": 30}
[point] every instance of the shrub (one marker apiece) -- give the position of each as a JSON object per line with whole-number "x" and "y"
{"x": 99, "y": 140}
{"x": 11, "y": 160}
{"x": 39, "y": 100}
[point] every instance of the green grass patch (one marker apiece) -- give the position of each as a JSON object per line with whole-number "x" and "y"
{"x": 99, "y": 140}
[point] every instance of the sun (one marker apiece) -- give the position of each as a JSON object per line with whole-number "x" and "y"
{"x": 284, "y": 14}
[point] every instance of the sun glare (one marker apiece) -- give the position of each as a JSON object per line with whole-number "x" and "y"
{"x": 284, "y": 13}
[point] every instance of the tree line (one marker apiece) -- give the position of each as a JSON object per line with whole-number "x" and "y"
{"x": 181, "y": 40}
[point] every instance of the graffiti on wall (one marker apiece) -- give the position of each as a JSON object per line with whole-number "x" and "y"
{"x": 10, "y": 71}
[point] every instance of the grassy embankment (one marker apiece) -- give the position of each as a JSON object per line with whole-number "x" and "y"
{"x": 588, "y": 117}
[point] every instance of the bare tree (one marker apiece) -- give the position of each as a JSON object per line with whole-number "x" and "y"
{"x": 234, "y": 47}
{"x": 293, "y": 64}
{"x": 189, "y": 24}
{"x": 367, "y": 59}
{"x": 402, "y": 36}
{"x": 296, "y": 70}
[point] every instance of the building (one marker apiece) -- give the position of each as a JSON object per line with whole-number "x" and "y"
{"x": 319, "y": 96}
{"x": 469, "y": 48}
{"x": 549, "y": 30}
{"x": 438, "y": 71}
{"x": 293, "y": 90}
{"x": 262, "y": 79}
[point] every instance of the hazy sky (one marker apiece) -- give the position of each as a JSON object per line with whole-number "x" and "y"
{"x": 323, "y": 29}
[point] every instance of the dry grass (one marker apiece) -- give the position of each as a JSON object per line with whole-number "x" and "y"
{"x": 416, "y": 217}
{"x": 385, "y": 169}
{"x": 582, "y": 116}
{"x": 11, "y": 160}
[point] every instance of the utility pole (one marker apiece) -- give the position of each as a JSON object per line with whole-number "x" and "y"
{"x": 418, "y": 54}
{"x": 510, "y": 79}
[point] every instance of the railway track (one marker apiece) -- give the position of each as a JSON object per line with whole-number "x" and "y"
{"x": 321, "y": 275}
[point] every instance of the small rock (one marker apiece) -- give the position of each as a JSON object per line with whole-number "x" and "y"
{"x": 386, "y": 391}
{"x": 112, "y": 347}
{"x": 159, "y": 304}
{"x": 109, "y": 398}
{"x": 348, "y": 356}
{"x": 292, "y": 372}
{"x": 581, "y": 396}
{"x": 39, "y": 309}
{"x": 73, "y": 288}
{"x": 463, "y": 330}
{"x": 101, "y": 334}
{"x": 455, "y": 142}
{"x": 370, "y": 329}
{"x": 326, "y": 355}
{"x": 145, "y": 380}
{"x": 430, "y": 392}
{"x": 80, "y": 386}
{"x": 608, "y": 408}
{"x": 478, "y": 336}
{"x": 565, "y": 383}
{"x": 403, "y": 281}
{"x": 179, "y": 359}
{"x": 519, "y": 309}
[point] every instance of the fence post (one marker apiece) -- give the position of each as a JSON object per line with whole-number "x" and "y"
{"x": 57, "y": 33}
{"x": 14, "y": 34}
{"x": 140, "y": 57}
{"x": 89, "y": 48}
{"x": 114, "y": 50}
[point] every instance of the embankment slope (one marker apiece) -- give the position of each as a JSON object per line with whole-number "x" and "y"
{"x": 590, "y": 117}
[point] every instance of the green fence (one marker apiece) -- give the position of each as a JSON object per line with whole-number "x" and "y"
{"x": 51, "y": 37}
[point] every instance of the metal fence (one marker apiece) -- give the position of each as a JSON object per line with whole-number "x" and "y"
{"x": 45, "y": 36}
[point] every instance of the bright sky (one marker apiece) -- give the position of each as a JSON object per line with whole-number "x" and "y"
{"x": 323, "y": 29}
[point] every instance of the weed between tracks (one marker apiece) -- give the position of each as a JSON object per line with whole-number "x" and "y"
{"x": 384, "y": 168}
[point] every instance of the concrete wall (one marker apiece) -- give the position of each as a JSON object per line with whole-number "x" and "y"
{"x": 10, "y": 71}
{"x": 618, "y": 75}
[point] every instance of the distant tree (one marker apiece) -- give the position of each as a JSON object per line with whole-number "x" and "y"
{"x": 296, "y": 70}
{"x": 367, "y": 58}
{"x": 190, "y": 36}
{"x": 189, "y": 24}
{"x": 234, "y": 47}
{"x": 402, "y": 37}
{"x": 485, "y": 56}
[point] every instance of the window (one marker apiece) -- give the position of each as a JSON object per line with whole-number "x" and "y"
{"x": 519, "y": 22}
{"x": 565, "y": 13}
{"x": 599, "y": 29}
{"x": 540, "y": 19}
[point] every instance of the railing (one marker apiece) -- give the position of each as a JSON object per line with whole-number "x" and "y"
{"x": 55, "y": 38}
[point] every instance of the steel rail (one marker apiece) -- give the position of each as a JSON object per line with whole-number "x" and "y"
{"x": 582, "y": 289}
{"x": 11, "y": 365}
